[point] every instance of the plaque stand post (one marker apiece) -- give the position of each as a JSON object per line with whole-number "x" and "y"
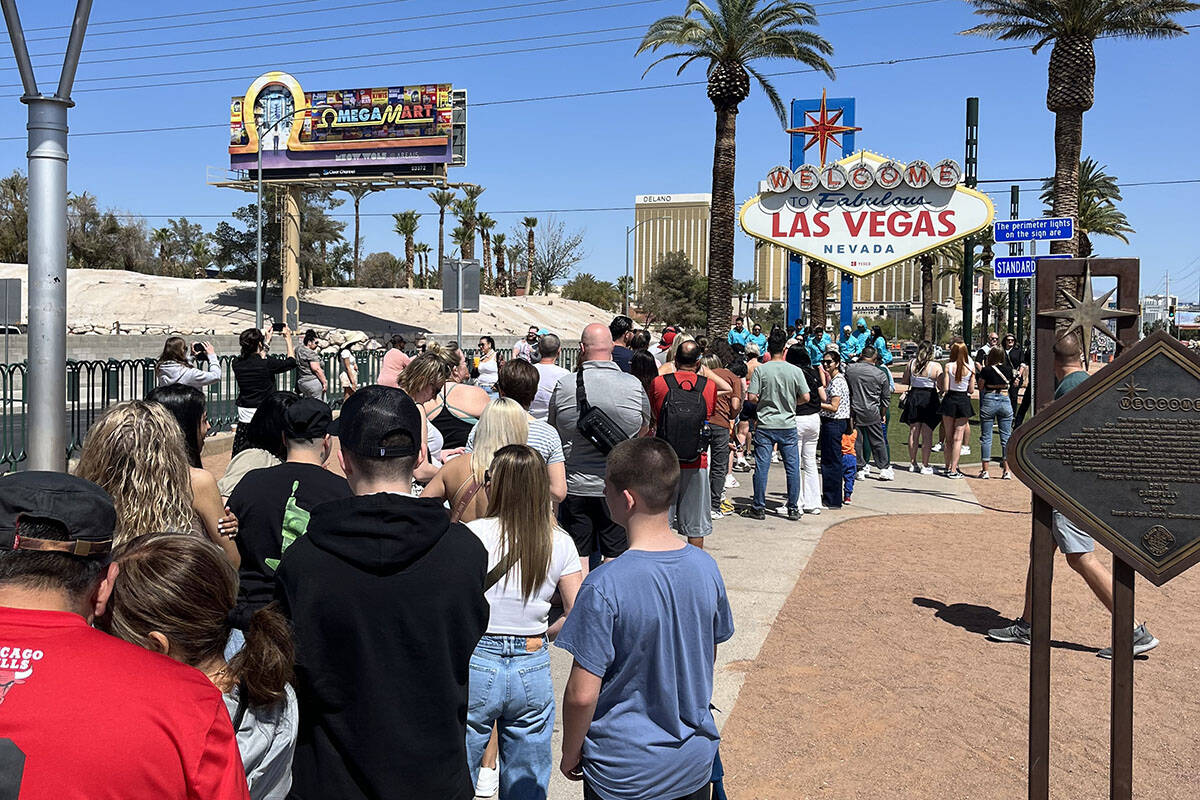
{"x": 1126, "y": 271}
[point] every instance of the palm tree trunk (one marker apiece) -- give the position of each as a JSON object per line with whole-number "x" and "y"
{"x": 529, "y": 263}
{"x": 1068, "y": 142}
{"x": 441, "y": 238}
{"x": 409, "y": 256}
{"x": 985, "y": 312}
{"x": 721, "y": 222}
{"x": 927, "y": 312}
{"x": 488, "y": 281}
{"x": 818, "y": 293}
{"x": 357, "y": 198}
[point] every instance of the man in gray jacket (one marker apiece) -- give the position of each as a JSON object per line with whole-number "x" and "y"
{"x": 870, "y": 396}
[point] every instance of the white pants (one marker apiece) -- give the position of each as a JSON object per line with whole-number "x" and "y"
{"x": 808, "y": 430}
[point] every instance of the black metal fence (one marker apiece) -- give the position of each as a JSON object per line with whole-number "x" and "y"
{"x": 93, "y": 386}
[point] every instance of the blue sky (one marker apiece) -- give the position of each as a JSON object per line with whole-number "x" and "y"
{"x": 600, "y": 151}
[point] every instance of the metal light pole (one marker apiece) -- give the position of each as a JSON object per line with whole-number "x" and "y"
{"x": 47, "y": 236}
{"x": 628, "y": 230}
{"x": 258, "y": 279}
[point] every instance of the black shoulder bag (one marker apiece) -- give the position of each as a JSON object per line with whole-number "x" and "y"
{"x": 595, "y": 425}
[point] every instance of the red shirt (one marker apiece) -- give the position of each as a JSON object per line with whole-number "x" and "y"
{"x": 97, "y": 718}
{"x": 658, "y": 393}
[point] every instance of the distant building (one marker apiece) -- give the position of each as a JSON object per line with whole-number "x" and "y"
{"x": 667, "y": 223}
{"x": 1155, "y": 307}
{"x": 896, "y": 284}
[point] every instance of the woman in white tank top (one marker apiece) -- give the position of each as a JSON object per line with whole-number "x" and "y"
{"x": 959, "y": 382}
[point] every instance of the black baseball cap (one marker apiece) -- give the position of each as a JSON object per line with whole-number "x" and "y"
{"x": 307, "y": 418}
{"x": 81, "y": 507}
{"x": 371, "y": 415}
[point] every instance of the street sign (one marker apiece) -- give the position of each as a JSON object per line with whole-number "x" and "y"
{"x": 1019, "y": 266}
{"x": 1024, "y": 230}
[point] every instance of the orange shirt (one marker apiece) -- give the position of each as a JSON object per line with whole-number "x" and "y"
{"x": 848, "y": 440}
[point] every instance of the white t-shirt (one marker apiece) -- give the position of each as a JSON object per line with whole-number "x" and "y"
{"x": 548, "y": 376}
{"x": 511, "y": 615}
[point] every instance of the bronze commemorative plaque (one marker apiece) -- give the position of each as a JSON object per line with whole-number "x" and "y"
{"x": 1120, "y": 457}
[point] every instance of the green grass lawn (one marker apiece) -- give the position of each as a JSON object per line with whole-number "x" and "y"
{"x": 897, "y": 434}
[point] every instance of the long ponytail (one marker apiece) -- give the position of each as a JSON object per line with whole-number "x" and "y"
{"x": 263, "y": 666}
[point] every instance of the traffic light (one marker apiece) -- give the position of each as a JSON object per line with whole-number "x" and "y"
{"x": 1171, "y": 312}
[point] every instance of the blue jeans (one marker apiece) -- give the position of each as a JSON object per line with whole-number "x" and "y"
{"x": 849, "y": 472}
{"x": 512, "y": 688}
{"x": 765, "y": 440}
{"x": 994, "y": 408}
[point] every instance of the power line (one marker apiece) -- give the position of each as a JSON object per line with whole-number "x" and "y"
{"x": 291, "y": 64}
{"x": 358, "y": 29}
{"x": 194, "y": 24}
{"x": 526, "y": 211}
{"x": 157, "y": 56}
{"x": 92, "y": 24}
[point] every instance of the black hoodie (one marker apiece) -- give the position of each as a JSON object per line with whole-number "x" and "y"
{"x": 386, "y": 601}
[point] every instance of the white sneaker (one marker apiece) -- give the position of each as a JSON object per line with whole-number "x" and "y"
{"x": 731, "y": 482}
{"x": 915, "y": 468}
{"x": 937, "y": 448}
{"x": 488, "y": 783}
{"x": 812, "y": 511}
{"x": 966, "y": 450}
{"x": 926, "y": 470}
{"x": 865, "y": 472}
{"x": 776, "y": 458}
{"x": 715, "y": 515}
{"x": 886, "y": 474}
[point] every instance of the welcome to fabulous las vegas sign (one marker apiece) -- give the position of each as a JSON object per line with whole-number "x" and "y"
{"x": 865, "y": 212}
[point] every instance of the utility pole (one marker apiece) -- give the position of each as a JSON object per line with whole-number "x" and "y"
{"x": 1015, "y": 249}
{"x": 1167, "y": 303}
{"x": 971, "y": 179}
{"x": 46, "y": 393}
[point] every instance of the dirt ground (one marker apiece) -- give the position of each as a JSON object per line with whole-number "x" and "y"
{"x": 876, "y": 680}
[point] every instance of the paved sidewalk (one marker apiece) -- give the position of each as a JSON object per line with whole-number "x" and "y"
{"x": 761, "y": 562}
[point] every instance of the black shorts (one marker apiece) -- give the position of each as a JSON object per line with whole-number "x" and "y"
{"x": 587, "y": 520}
{"x": 957, "y": 405}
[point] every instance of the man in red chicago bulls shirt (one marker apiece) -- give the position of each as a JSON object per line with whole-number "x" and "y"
{"x": 83, "y": 714}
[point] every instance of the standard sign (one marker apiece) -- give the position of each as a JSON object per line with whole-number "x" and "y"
{"x": 1025, "y": 230}
{"x": 1019, "y": 266}
{"x": 865, "y": 213}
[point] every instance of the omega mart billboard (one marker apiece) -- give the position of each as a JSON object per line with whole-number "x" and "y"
{"x": 865, "y": 212}
{"x": 349, "y": 131}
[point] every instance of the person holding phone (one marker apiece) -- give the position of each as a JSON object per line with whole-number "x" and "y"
{"x": 255, "y": 375}
{"x": 174, "y": 367}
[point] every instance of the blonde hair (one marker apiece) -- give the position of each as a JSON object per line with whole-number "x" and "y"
{"x": 519, "y": 497}
{"x": 503, "y": 422}
{"x": 959, "y": 355}
{"x": 136, "y": 453}
{"x": 674, "y": 348}
{"x": 430, "y": 369}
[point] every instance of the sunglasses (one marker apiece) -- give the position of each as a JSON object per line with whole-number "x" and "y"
{"x": 829, "y": 361}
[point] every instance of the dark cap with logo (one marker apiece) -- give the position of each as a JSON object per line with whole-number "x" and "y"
{"x": 374, "y": 414}
{"x": 81, "y": 507}
{"x": 307, "y": 418}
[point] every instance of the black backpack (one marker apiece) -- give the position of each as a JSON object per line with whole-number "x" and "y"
{"x": 683, "y": 419}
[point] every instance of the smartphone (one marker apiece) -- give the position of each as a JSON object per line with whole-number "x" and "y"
{"x": 277, "y": 327}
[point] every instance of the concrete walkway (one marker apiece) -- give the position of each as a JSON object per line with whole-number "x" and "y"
{"x": 761, "y": 562}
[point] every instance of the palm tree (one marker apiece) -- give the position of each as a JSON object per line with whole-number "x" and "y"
{"x": 406, "y": 226}
{"x": 515, "y": 251}
{"x": 442, "y": 198}
{"x": 999, "y": 302}
{"x": 466, "y": 211}
{"x": 1098, "y": 212}
{"x": 743, "y": 289}
{"x": 530, "y": 223}
{"x": 953, "y": 260}
{"x": 421, "y": 249}
{"x": 1073, "y": 26}
{"x": 503, "y": 283}
{"x": 484, "y": 222}
{"x": 927, "y": 312}
{"x": 462, "y": 236}
{"x": 162, "y": 238}
{"x": 727, "y": 38}
{"x": 818, "y": 293}
{"x": 358, "y": 193}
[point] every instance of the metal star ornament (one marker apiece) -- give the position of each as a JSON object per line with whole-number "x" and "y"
{"x": 1088, "y": 314}
{"x": 823, "y": 129}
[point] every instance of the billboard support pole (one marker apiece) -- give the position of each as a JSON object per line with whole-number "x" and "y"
{"x": 290, "y": 275}
{"x": 47, "y": 237}
{"x": 458, "y": 270}
{"x": 971, "y": 179}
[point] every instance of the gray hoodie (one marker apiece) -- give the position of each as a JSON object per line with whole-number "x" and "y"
{"x": 870, "y": 392}
{"x": 169, "y": 372}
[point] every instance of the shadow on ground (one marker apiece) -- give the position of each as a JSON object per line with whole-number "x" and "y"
{"x": 981, "y": 619}
{"x": 242, "y": 298}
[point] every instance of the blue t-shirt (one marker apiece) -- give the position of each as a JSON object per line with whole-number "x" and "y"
{"x": 738, "y": 337}
{"x": 759, "y": 339}
{"x": 648, "y": 623}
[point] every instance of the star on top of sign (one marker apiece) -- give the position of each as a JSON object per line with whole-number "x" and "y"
{"x": 1088, "y": 314}
{"x": 823, "y": 128}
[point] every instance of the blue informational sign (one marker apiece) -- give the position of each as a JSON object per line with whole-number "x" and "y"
{"x": 1025, "y": 230}
{"x": 1018, "y": 266}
